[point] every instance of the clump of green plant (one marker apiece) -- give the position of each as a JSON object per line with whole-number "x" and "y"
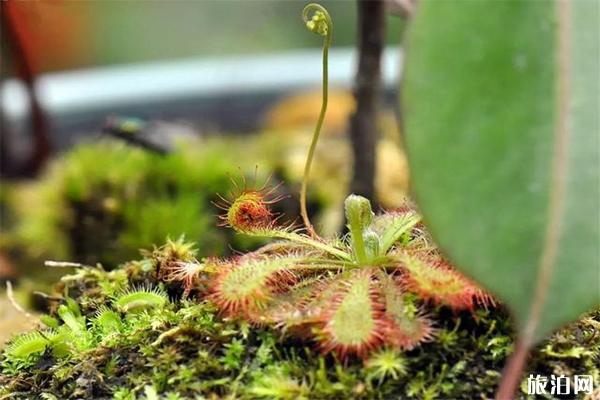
{"x": 130, "y": 333}
{"x": 105, "y": 200}
{"x": 69, "y": 331}
{"x": 104, "y": 212}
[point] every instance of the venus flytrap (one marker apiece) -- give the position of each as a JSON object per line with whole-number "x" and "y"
{"x": 107, "y": 322}
{"x": 139, "y": 299}
{"x": 27, "y": 344}
{"x": 70, "y": 332}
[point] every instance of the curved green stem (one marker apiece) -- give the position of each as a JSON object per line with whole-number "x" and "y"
{"x": 294, "y": 237}
{"x": 316, "y": 267}
{"x": 325, "y": 261}
{"x": 321, "y": 24}
{"x": 300, "y": 239}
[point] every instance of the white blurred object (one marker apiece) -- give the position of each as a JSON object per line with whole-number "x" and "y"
{"x": 99, "y": 88}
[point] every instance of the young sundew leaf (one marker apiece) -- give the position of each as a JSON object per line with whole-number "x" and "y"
{"x": 501, "y": 109}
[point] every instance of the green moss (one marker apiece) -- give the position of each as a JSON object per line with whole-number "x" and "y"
{"x": 103, "y": 201}
{"x": 183, "y": 349}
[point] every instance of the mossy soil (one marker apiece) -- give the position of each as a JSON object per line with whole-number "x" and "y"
{"x": 185, "y": 350}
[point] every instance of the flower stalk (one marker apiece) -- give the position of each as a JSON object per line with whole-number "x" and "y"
{"x": 319, "y": 22}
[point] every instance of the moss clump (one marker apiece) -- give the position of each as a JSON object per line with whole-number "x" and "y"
{"x": 97, "y": 345}
{"x": 104, "y": 200}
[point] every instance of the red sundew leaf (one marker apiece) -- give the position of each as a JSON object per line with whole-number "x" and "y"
{"x": 245, "y": 286}
{"x": 432, "y": 278}
{"x": 353, "y": 323}
{"x": 406, "y": 326}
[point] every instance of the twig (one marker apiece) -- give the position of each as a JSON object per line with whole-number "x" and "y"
{"x": 11, "y": 297}
{"x": 167, "y": 334}
{"x": 63, "y": 264}
{"x": 129, "y": 130}
{"x": 364, "y": 132}
{"x": 47, "y": 296}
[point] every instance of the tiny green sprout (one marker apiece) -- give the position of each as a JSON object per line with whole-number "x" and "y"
{"x": 139, "y": 299}
{"x": 372, "y": 244}
{"x": 319, "y": 22}
{"x": 73, "y": 306}
{"x": 173, "y": 396}
{"x": 386, "y": 363}
{"x": 74, "y": 333}
{"x": 234, "y": 352}
{"x": 359, "y": 216}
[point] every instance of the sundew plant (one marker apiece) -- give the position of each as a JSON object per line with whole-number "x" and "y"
{"x": 352, "y": 294}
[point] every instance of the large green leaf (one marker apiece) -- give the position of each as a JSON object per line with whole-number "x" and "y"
{"x": 501, "y": 107}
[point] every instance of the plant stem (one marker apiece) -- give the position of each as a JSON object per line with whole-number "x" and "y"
{"x": 317, "y": 132}
{"x": 513, "y": 372}
{"x": 312, "y": 243}
{"x": 319, "y": 267}
{"x": 358, "y": 243}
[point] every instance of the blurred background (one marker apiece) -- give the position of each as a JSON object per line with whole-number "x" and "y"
{"x": 68, "y": 35}
{"x": 121, "y": 121}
